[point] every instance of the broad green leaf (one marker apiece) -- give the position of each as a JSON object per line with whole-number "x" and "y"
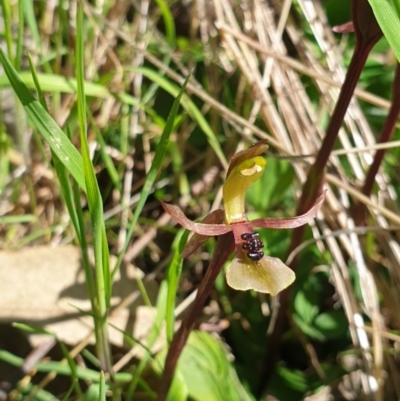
{"x": 207, "y": 371}
{"x": 305, "y": 305}
{"x": 310, "y": 295}
{"x": 295, "y": 379}
{"x": 387, "y": 13}
{"x": 332, "y": 324}
{"x": 178, "y": 390}
{"x": 307, "y": 328}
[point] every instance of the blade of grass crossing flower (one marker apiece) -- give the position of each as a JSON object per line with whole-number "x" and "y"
{"x": 47, "y": 127}
{"x": 103, "y": 279}
{"x": 190, "y": 107}
{"x": 174, "y": 273}
{"x": 387, "y": 13}
{"x": 154, "y": 169}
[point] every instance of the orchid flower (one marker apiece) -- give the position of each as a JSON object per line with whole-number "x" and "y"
{"x": 250, "y": 268}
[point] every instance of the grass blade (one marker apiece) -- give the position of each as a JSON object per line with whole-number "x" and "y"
{"x": 95, "y": 203}
{"x": 387, "y": 13}
{"x": 51, "y": 132}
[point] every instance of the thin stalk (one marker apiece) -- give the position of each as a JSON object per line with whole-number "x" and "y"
{"x": 224, "y": 247}
{"x": 359, "y": 210}
{"x": 367, "y": 34}
{"x": 315, "y": 179}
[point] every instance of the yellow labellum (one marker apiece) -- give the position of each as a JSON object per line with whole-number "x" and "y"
{"x": 269, "y": 275}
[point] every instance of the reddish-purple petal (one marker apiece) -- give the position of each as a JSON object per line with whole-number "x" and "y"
{"x": 199, "y": 228}
{"x": 289, "y": 222}
{"x": 216, "y": 216}
{"x": 344, "y": 28}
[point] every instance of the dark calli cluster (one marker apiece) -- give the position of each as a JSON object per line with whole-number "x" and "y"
{"x": 253, "y": 245}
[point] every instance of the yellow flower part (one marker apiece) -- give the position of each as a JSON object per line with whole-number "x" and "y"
{"x": 269, "y": 275}
{"x": 234, "y": 191}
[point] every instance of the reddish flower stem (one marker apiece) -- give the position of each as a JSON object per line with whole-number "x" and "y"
{"x": 359, "y": 209}
{"x": 367, "y": 34}
{"x": 224, "y": 247}
{"x": 313, "y": 185}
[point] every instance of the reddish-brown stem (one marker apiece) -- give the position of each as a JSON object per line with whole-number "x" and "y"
{"x": 223, "y": 248}
{"x": 313, "y": 185}
{"x": 367, "y": 34}
{"x": 359, "y": 209}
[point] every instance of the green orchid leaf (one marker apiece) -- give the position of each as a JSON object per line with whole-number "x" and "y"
{"x": 207, "y": 371}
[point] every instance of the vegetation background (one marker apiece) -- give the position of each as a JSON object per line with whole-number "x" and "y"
{"x": 110, "y": 75}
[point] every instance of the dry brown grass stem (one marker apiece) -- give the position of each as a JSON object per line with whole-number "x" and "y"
{"x": 300, "y": 67}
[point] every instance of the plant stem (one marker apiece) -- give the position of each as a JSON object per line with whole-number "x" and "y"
{"x": 359, "y": 209}
{"x": 224, "y": 247}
